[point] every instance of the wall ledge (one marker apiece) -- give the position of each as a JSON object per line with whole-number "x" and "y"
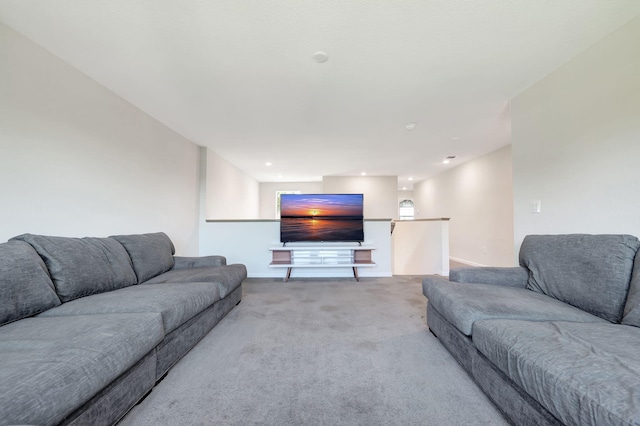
{"x": 278, "y": 220}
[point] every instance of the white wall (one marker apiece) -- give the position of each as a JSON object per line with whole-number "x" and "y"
{"x": 478, "y": 198}
{"x": 230, "y": 193}
{"x": 77, "y": 160}
{"x": 380, "y": 193}
{"x": 576, "y": 143}
{"x": 268, "y": 194}
{"x": 420, "y": 247}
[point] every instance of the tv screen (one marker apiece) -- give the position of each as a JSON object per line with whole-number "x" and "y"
{"x": 321, "y": 217}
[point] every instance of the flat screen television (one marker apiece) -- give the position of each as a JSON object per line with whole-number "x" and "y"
{"x": 321, "y": 218}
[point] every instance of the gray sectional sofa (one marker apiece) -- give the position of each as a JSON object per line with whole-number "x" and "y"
{"x": 555, "y": 340}
{"x": 89, "y": 325}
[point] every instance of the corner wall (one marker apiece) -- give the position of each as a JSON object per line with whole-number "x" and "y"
{"x": 477, "y": 196}
{"x": 230, "y": 193}
{"x": 77, "y": 160}
{"x": 576, "y": 143}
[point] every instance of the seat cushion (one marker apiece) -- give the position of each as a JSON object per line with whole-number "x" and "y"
{"x": 176, "y": 303}
{"x": 227, "y": 278}
{"x": 584, "y": 374}
{"x": 25, "y": 286}
{"x": 51, "y": 366}
{"x": 590, "y": 272}
{"x": 462, "y": 304}
{"x": 151, "y": 254}
{"x": 82, "y": 266}
{"x": 632, "y": 305}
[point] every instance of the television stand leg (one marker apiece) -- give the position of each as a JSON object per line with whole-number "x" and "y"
{"x": 288, "y": 274}
{"x": 355, "y": 274}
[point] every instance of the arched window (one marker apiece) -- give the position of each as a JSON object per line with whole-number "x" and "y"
{"x": 406, "y": 210}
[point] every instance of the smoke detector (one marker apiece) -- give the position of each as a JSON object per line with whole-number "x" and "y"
{"x": 320, "y": 56}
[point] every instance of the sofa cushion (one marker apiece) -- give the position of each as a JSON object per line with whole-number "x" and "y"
{"x": 151, "y": 254}
{"x": 176, "y": 303}
{"x": 507, "y": 276}
{"x": 591, "y": 272}
{"x": 463, "y": 304}
{"x": 25, "y": 286}
{"x": 82, "y": 266}
{"x": 584, "y": 374}
{"x": 632, "y": 305}
{"x": 188, "y": 262}
{"x": 227, "y": 278}
{"x": 51, "y": 366}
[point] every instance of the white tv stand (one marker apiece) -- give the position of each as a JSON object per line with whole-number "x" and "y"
{"x": 321, "y": 256}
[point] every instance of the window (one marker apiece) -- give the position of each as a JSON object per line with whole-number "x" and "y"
{"x": 406, "y": 210}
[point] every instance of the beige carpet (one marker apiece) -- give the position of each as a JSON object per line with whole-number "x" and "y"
{"x": 319, "y": 352}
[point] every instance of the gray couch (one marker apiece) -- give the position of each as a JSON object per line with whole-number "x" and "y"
{"x": 555, "y": 340}
{"x": 89, "y": 325}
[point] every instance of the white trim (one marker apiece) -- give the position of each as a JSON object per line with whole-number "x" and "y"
{"x": 466, "y": 262}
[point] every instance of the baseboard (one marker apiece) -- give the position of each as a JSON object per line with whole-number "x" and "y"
{"x": 465, "y": 262}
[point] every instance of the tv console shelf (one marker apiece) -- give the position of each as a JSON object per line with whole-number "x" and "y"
{"x": 321, "y": 256}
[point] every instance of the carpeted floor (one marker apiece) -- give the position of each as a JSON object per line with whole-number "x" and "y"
{"x": 319, "y": 352}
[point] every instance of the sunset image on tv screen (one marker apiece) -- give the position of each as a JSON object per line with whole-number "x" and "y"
{"x": 329, "y": 205}
{"x": 321, "y": 217}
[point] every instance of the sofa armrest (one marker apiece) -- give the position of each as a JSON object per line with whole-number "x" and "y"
{"x": 507, "y": 276}
{"x": 432, "y": 280}
{"x": 198, "y": 262}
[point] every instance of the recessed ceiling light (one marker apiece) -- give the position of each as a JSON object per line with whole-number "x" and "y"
{"x": 410, "y": 126}
{"x": 268, "y": 163}
{"x": 320, "y": 56}
{"x": 404, "y": 188}
{"x": 454, "y": 138}
{"x": 410, "y": 178}
{"x": 363, "y": 173}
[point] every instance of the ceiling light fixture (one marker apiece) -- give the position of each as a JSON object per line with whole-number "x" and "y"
{"x": 320, "y": 57}
{"x": 410, "y": 126}
{"x": 268, "y": 163}
{"x": 363, "y": 174}
{"x": 448, "y": 159}
{"x": 410, "y": 178}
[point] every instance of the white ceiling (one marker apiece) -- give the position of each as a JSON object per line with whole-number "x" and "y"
{"x": 238, "y": 75}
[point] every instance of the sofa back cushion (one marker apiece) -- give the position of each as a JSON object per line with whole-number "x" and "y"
{"x": 82, "y": 266}
{"x": 632, "y": 306}
{"x": 151, "y": 254}
{"x": 590, "y": 272}
{"x": 25, "y": 286}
